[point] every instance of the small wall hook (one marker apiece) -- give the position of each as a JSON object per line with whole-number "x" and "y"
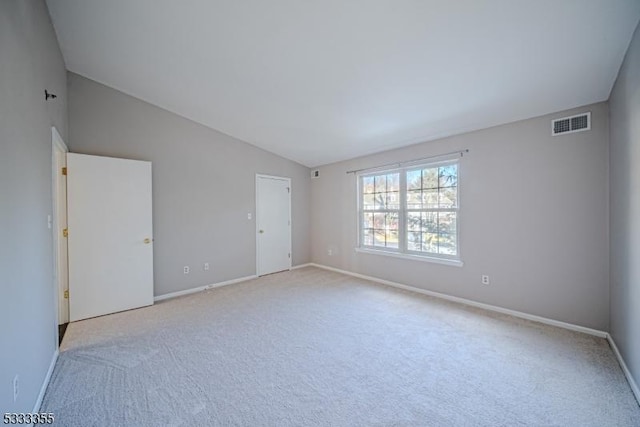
{"x": 48, "y": 95}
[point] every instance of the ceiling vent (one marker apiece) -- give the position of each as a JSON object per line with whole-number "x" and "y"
{"x": 572, "y": 124}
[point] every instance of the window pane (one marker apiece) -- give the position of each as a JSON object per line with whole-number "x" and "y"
{"x": 447, "y": 223}
{"x": 392, "y": 239}
{"x": 448, "y": 176}
{"x": 448, "y": 197}
{"x": 379, "y": 221}
{"x": 393, "y": 182}
{"x": 414, "y": 199}
{"x": 379, "y": 238}
{"x": 413, "y": 240}
{"x": 391, "y": 221}
{"x": 393, "y": 200}
{"x": 381, "y": 183}
{"x": 414, "y": 221}
{"x": 430, "y": 199}
{"x": 367, "y": 220}
{"x": 380, "y": 201}
{"x": 385, "y": 230}
{"x": 414, "y": 180}
{"x": 368, "y": 238}
{"x": 367, "y": 185}
{"x": 430, "y": 242}
{"x": 430, "y": 178}
{"x": 447, "y": 244}
{"x": 430, "y": 222}
{"x": 367, "y": 202}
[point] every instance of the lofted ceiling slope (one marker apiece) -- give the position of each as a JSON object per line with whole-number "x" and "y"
{"x": 323, "y": 81}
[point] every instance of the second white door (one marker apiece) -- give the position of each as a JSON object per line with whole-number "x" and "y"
{"x": 273, "y": 224}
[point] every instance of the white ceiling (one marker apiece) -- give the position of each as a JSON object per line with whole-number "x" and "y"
{"x": 327, "y": 80}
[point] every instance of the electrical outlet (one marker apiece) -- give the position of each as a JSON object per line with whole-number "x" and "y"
{"x": 485, "y": 279}
{"x": 249, "y": 215}
{"x": 206, "y": 266}
{"x": 16, "y": 390}
{"x": 186, "y": 269}
{"x": 330, "y": 252}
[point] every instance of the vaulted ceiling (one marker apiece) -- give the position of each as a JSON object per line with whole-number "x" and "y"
{"x": 323, "y": 81}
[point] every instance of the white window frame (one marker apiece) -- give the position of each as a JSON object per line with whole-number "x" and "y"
{"x": 403, "y": 251}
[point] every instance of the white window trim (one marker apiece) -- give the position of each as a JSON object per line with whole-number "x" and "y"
{"x": 450, "y": 260}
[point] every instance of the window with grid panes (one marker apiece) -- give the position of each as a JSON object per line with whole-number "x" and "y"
{"x": 412, "y": 210}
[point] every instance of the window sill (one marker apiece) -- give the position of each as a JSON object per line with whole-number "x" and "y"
{"x": 444, "y": 261}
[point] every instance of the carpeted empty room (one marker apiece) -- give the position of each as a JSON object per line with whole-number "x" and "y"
{"x": 314, "y": 347}
{"x": 320, "y": 213}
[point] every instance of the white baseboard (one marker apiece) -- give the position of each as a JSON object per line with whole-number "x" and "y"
{"x": 295, "y": 267}
{"x": 472, "y": 303}
{"x": 202, "y": 288}
{"x": 623, "y": 365}
{"x": 216, "y": 285}
{"x": 45, "y": 383}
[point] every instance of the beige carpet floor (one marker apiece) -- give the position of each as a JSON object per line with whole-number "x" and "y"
{"x": 315, "y": 348}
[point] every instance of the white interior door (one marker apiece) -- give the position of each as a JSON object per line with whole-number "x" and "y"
{"x": 110, "y": 235}
{"x": 273, "y": 224}
{"x": 61, "y": 265}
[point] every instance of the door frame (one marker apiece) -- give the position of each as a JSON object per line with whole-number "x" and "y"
{"x": 281, "y": 178}
{"x": 59, "y": 284}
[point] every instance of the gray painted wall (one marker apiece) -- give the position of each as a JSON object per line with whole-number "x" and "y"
{"x": 203, "y": 184}
{"x": 534, "y": 218}
{"x": 30, "y": 61}
{"x": 625, "y": 208}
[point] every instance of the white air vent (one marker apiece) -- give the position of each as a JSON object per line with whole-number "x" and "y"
{"x": 315, "y": 174}
{"x": 572, "y": 124}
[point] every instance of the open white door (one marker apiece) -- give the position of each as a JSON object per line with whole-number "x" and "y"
{"x": 273, "y": 224}
{"x": 59, "y": 224}
{"x": 110, "y": 235}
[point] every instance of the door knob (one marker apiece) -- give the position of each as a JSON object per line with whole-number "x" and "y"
{"x": 261, "y": 231}
{"x": 147, "y": 241}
